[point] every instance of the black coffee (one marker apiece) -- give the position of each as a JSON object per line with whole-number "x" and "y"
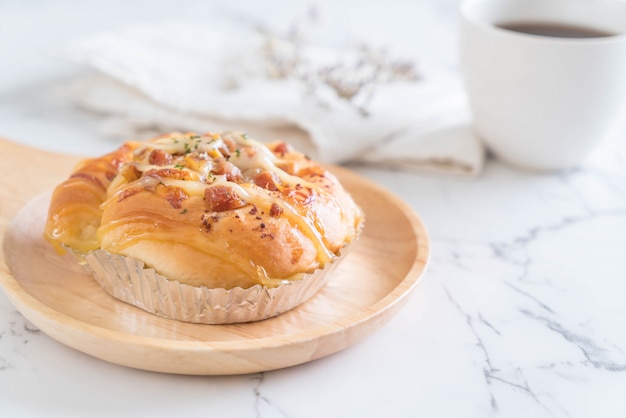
{"x": 557, "y": 30}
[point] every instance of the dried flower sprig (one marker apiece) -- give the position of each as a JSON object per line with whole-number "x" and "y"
{"x": 356, "y": 82}
{"x": 353, "y": 77}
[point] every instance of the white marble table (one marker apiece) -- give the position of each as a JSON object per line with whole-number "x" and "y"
{"x": 520, "y": 314}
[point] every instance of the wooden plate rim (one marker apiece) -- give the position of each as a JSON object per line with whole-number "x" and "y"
{"x": 45, "y": 317}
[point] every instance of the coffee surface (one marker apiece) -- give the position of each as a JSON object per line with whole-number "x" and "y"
{"x": 557, "y": 30}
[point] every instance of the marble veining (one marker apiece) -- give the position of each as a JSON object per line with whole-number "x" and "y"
{"x": 15, "y": 332}
{"x": 263, "y": 406}
{"x": 530, "y": 296}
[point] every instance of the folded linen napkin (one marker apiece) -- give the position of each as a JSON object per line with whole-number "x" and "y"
{"x": 354, "y": 105}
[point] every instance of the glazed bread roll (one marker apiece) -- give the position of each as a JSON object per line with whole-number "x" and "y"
{"x": 214, "y": 210}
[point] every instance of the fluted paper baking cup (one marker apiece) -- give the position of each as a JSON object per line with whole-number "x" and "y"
{"x": 129, "y": 280}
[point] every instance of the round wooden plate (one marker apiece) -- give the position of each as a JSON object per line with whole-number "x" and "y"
{"x": 369, "y": 287}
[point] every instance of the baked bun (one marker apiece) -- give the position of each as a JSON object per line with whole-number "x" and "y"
{"x": 212, "y": 210}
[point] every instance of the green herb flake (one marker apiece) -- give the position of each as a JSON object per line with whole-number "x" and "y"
{"x": 182, "y": 212}
{"x": 179, "y": 166}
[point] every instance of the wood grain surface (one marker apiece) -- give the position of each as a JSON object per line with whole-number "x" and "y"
{"x": 56, "y": 295}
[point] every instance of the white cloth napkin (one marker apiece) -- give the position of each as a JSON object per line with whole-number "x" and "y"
{"x": 187, "y": 77}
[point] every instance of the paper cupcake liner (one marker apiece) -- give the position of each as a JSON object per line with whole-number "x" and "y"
{"x": 129, "y": 280}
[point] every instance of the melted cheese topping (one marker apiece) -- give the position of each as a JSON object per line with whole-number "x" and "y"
{"x": 184, "y": 167}
{"x": 249, "y": 155}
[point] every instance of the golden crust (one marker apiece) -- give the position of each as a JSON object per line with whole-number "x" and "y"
{"x": 74, "y": 214}
{"x": 207, "y": 210}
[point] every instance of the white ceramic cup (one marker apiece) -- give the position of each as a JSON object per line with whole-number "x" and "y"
{"x": 542, "y": 102}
